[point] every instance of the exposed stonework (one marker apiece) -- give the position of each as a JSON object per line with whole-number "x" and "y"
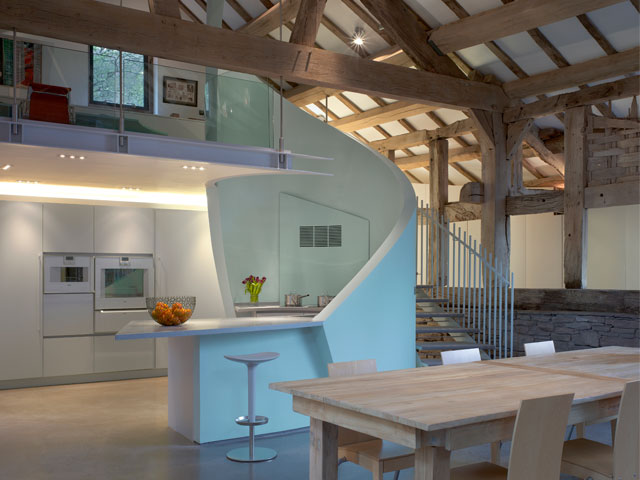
{"x": 575, "y": 330}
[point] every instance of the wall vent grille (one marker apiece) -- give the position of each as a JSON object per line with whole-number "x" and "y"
{"x": 321, "y": 236}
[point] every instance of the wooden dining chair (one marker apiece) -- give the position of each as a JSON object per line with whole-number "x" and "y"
{"x": 451, "y": 357}
{"x": 539, "y": 348}
{"x": 369, "y": 452}
{"x": 584, "y": 458}
{"x": 536, "y": 447}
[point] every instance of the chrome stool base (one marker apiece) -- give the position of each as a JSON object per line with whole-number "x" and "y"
{"x": 243, "y": 455}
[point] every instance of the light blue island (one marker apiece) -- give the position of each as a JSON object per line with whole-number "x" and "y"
{"x": 207, "y": 392}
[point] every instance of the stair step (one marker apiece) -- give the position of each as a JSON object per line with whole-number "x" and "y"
{"x": 431, "y": 362}
{"x": 452, "y": 346}
{"x": 431, "y": 300}
{"x": 423, "y": 287}
{"x": 439, "y": 315}
{"x": 446, "y": 330}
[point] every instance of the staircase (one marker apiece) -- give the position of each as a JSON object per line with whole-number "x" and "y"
{"x": 463, "y": 298}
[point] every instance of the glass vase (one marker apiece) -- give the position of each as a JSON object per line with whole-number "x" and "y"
{"x": 254, "y": 297}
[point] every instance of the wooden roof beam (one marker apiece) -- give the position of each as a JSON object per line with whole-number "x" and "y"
{"x": 168, "y": 8}
{"x": 308, "y": 21}
{"x": 175, "y": 39}
{"x": 379, "y": 115}
{"x": 515, "y": 17}
{"x": 270, "y": 20}
{"x": 586, "y": 72}
{"x": 421, "y": 137}
{"x": 624, "y": 88}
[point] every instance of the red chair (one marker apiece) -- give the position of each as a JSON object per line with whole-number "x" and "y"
{"x": 49, "y": 103}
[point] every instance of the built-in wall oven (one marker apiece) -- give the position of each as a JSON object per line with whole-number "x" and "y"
{"x": 123, "y": 282}
{"x": 64, "y": 273}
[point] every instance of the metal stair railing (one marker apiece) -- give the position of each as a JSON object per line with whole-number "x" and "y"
{"x": 457, "y": 268}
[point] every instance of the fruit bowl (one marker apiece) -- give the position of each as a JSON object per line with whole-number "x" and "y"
{"x": 171, "y": 311}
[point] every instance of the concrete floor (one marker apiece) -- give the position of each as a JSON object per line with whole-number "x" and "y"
{"x": 118, "y": 430}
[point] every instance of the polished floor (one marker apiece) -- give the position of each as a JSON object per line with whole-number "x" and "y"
{"x": 118, "y": 430}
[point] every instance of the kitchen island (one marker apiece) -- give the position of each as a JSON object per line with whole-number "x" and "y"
{"x": 207, "y": 392}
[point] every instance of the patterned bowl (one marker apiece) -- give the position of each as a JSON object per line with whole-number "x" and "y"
{"x": 171, "y": 311}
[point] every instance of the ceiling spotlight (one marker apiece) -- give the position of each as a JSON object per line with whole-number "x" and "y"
{"x": 185, "y": 167}
{"x": 72, "y": 156}
{"x": 193, "y": 168}
{"x": 358, "y": 37}
{"x": 6, "y": 167}
{"x": 81, "y": 157}
{"x": 201, "y": 168}
{"x": 62, "y": 155}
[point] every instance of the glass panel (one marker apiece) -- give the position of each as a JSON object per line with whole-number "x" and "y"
{"x": 69, "y": 274}
{"x": 123, "y": 282}
{"x": 105, "y": 77}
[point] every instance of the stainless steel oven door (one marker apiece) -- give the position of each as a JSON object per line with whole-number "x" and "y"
{"x": 65, "y": 273}
{"x": 123, "y": 282}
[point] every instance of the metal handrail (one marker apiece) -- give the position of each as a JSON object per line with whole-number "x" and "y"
{"x": 461, "y": 270}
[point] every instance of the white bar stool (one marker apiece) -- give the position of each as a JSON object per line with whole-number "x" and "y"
{"x": 252, "y": 453}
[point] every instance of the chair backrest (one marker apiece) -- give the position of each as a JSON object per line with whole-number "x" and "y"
{"x": 539, "y": 348}
{"x": 467, "y": 355}
{"x": 347, "y": 369}
{"x": 538, "y": 438}
{"x": 356, "y": 367}
{"x": 627, "y": 439}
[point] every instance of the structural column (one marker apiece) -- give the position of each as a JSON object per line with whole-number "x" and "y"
{"x": 575, "y": 214}
{"x": 496, "y": 178}
{"x": 438, "y": 198}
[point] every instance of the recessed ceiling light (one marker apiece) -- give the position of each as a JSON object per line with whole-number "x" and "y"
{"x": 201, "y": 168}
{"x": 62, "y": 155}
{"x": 72, "y": 156}
{"x": 185, "y": 166}
{"x": 358, "y": 37}
{"x": 81, "y": 157}
{"x": 6, "y": 167}
{"x": 193, "y": 168}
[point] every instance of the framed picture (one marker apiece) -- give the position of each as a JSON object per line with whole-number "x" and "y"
{"x": 180, "y": 91}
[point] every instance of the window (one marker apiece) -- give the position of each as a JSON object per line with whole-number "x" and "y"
{"x": 104, "y": 82}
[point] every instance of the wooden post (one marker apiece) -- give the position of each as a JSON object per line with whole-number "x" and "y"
{"x": 439, "y": 174}
{"x": 438, "y": 198}
{"x": 496, "y": 177}
{"x": 575, "y": 214}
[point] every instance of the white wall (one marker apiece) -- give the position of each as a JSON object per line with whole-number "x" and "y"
{"x": 613, "y": 246}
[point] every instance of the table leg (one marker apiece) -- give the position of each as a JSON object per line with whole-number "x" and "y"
{"x": 432, "y": 463}
{"x": 323, "y": 450}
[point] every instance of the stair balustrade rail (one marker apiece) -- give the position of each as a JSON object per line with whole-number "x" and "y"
{"x": 456, "y": 267}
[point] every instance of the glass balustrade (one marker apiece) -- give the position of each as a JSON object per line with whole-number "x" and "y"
{"x": 81, "y": 86}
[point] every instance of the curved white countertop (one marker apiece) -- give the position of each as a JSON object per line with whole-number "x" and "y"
{"x": 212, "y": 326}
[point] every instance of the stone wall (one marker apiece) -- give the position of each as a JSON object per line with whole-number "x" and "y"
{"x": 575, "y": 330}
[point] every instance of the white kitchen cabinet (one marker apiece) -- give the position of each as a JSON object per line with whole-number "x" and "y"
{"x": 67, "y": 314}
{"x": 20, "y": 290}
{"x": 162, "y": 353}
{"x": 184, "y": 260}
{"x": 110, "y": 321}
{"x": 67, "y": 228}
{"x": 124, "y": 230}
{"x": 113, "y": 355}
{"x": 68, "y": 356}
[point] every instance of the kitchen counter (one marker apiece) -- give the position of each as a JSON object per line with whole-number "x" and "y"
{"x": 206, "y": 391}
{"x": 212, "y": 326}
{"x": 274, "y": 308}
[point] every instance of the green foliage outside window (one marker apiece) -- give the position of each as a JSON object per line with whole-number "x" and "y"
{"x": 105, "y": 77}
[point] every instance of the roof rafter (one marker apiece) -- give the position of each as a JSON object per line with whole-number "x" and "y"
{"x": 512, "y": 18}
{"x": 180, "y": 40}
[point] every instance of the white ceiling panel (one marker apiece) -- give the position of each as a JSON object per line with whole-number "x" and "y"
{"x": 421, "y": 174}
{"x": 620, "y": 24}
{"x": 253, "y": 7}
{"x": 419, "y": 150}
{"x": 337, "y": 107}
{"x": 526, "y": 53}
{"x": 481, "y": 58}
{"x": 572, "y": 40}
{"x": 433, "y": 12}
{"x": 456, "y": 177}
{"x": 347, "y": 21}
{"x": 363, "y": 102}
{"x": 327, "y": 40}
{"x": 422, "y": 122}
{"x": 394, "y": 128}
{"x": 371, "y": 134}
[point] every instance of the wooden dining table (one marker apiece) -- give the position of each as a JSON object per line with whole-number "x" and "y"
{"x": 436, "y": 410}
